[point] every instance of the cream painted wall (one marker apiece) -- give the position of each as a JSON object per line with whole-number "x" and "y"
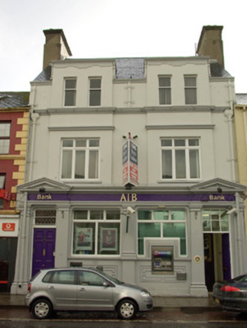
{"x": 137, "y": 109}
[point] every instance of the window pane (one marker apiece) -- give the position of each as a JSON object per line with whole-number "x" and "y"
{"x": 96, "y": 215}
{"x": 70, "y": 84}
{"x": 147, "y": 230}
{"x": 84, "y": 236}
{"x": 64, "y": 277}
{"x": 165, "y": 96}
{"x": 144, "y": 215}
{"x": 67, "y": 164}
{"x": 177, "y": 215}
{"x": 179, "y": 142}
{"x": 194, "y": 164}
{"x": 166, "y": 164}
{"x": 2, "y": 181}
{"x": 4, "y": 129}
{"x": 94, "y": 143}
{"x": 80, "y": 215}
{"x": 166, "y": 142}
{"x": 108, "y": 238}
{"x": 95, "y": 83}
{"x": 164, "y": 81}
{"x": 67, "y": 143}
{"x": 190, "y": 81}
{"x": 4, "y": 146}
{"x": 206, "y": 225}
{"x": 93, "y": 164}
{"x": 81, "y": 142}
{"x": 112, "y": 215}
{"x": 70, "y": 98}
{"x": 180, "y": 164}
{"x": 91, "y": 279}
{"x": 80, "y": 165}
{"x": 94, "y": 97}
{"x": 190, "y": 96}
{"x": 176, "y": 230}
{"x": 193, "y": 142}
{"x": 161, "y": 215}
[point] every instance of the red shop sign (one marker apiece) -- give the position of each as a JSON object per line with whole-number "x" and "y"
{"x": 8, "y": 226}
{"x": 4, "y": 194}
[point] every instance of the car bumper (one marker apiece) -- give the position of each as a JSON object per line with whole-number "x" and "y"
{"x": 230, "y": 304}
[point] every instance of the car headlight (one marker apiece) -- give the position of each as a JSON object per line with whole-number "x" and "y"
{"x": 144, "y": 293}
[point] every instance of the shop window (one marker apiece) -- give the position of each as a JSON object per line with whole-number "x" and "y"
{"x": 165, "y": 90}
{"x": 4, "y": 137}
{"x": 215, "y": 221}
{"x": 70, "y": 92}
{"x": 180, "y": 158}
{"x": 190, "y": 90}
{"x": 45, "y": 217}
{"x": 80, "y": 159}
{"x": 94, "y": 91}
{"x": 162, "y": 224}
{"x": 96, "y": 232}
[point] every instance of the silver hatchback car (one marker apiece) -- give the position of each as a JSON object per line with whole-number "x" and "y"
{"x": 82, "y": 289}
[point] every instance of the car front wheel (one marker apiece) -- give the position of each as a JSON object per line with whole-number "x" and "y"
{"x": 42, "y": 309}
{"x": 127, "y": 309}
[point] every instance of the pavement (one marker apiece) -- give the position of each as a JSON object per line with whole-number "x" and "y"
{"x": 10, "y": 300}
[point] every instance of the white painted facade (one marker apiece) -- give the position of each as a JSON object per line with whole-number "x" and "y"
{"x": 131, "y": 105}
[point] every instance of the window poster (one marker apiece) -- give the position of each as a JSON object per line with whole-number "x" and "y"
{"x": 84, "y": 238}
{"x": 108, "y": 239}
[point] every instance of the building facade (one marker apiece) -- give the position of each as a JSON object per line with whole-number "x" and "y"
{"x": 240, "y": 124}
{"x": 131, "y": 167}
{"x": 14, "y": 113}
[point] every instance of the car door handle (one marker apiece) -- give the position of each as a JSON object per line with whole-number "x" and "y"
{"x": 82, "y": 289}
{"x": 51, "y": 288}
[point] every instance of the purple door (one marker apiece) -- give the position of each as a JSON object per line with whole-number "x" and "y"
{"x": 226, "y": 256}
{"x": 43, "y": 249}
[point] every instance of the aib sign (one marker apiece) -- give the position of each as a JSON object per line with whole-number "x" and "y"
{"x": 130, "y": 163}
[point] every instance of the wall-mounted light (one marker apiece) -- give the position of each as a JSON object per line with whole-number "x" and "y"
{"x": 233, "y": 210}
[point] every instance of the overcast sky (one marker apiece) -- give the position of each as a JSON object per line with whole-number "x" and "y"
{"x": 116, "y": 28}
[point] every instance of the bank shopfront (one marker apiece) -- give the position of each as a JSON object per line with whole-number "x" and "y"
{"x": 173, "y": 242}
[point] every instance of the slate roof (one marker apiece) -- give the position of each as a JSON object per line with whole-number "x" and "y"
{"x": 217, "y": 70}
{"x": 134, "y": 68}
{"x": 10, "y": 100}
{"x": 241, "y": 98}
{"x": 130, "y": 68}
{"x": 44, "y": 75}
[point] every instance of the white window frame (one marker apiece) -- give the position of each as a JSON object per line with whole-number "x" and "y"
{"x": 187, "y": 148}
{"x": 166, "y": 88}
{"x": 95, "y": 89}
{"x": 190, "y": 88}
{"x": 87, "y": 150}
{"x": 161, "y": 222}
{"x": 66, "y": 89}
{"x": 97, "y": 234}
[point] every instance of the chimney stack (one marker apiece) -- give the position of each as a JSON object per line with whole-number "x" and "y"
{"x": 56, "y": 46}
{"x": 211, "y": 44}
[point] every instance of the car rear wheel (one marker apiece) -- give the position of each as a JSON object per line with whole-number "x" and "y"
{"x": 42, "y": 309}
{"x": 127, "y": 309}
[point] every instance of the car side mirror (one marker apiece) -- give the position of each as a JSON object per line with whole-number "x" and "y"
{"x": 106, "y": 284}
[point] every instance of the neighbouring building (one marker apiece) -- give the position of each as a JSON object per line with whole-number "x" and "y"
{"x": 240, "y": 120}
{"x": 131, "y": 166}
{"x": 14, "y": 111}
